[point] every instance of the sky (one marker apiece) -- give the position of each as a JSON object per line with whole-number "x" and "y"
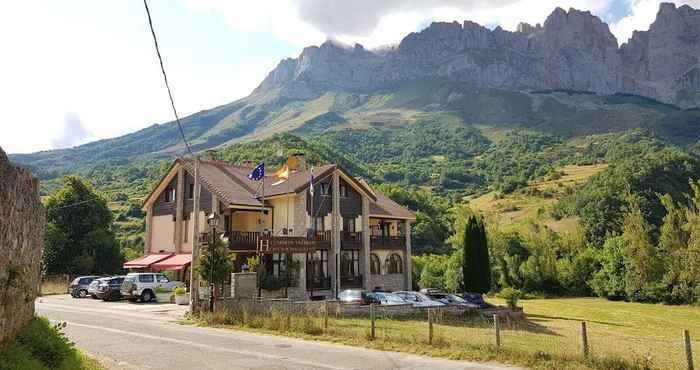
{"x": 76, "y": 71}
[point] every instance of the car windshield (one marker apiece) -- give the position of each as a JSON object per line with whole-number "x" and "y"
{"x": 456, "y": 298}
{"x": 391, "y": 298}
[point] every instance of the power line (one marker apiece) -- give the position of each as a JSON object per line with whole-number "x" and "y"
{"x": 165, "y": 77}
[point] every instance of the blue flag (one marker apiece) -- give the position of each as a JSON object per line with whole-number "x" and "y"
{"x": 258, "y": 172}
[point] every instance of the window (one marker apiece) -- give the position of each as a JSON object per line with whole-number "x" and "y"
{"x": 190, "y": 192}
{"x": 325, "y": 188}
{"x": 186, "y": 228}
{"x": 343, "y": 191}
{"x": 375, "y": 266}
{"x": 277, "y": 264}
{"x": 317, "y": 263}
{"x": 349, "y": 224}
{"x": 169, "y": 195}
{"x": 350, "y": 263}
{"x": 146, "y": 278}
{"x": 394, "y": 265}
{"x": 227, "y": 223}
{"x": 163, "y": 279}
{"x": 319, "y": 225}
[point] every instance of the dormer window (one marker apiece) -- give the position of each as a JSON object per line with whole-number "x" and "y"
{"x": 325, "y": 188}
{"x": 169, "y": 195}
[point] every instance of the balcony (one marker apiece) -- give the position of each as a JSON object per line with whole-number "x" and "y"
{"x": 318, "y": 282}
{"x": 253, "y": 241}
{"x": 350, "y": 240}
{"x": 393, "y": 242}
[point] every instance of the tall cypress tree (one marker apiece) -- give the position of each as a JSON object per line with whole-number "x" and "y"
{"x": 477, "y": 271}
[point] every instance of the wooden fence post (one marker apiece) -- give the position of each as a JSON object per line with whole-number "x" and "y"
{"x": 688, "y": 350}
{"x": 584, "y": 339}
{"x": 325, "y": 315}
{"x": 371, "y": 317}
{"x": 430, "y": 326}
{"x": 290, "y": 307}
{"x": 497, "y": 328}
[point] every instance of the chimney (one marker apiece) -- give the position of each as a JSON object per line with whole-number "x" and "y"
{"x": 297, "y": 162}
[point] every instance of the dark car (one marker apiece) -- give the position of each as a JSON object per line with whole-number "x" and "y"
{"x": 357, "y": 296}
{"x": 476, "y": 299}
{"x": 79, "y": 287}
{"x": 451, "y": 300}
{"x": 109, "y": 289}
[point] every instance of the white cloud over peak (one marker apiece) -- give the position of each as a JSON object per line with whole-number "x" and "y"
{"x": 642, "y": 14}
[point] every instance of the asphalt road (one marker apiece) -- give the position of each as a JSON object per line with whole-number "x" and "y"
{"x": 124, "y": 335}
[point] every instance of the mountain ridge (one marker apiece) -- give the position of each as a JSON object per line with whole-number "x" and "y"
{"x": 329, "y": 87}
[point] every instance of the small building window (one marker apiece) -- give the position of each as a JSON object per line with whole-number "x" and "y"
{"x": 350, "y": 263}
{"x": 170, "y": 195}
{"x": 348, "y": 224}
{"x": 190, "y": 192}
{"x": 318, "y": 224}
{"x": 325, "y": 188}
{"x": 317, "y": 264}
{"x": 375, "y": 267}
{"x": 394, "y": 265}
{"x": 343, "y": 191}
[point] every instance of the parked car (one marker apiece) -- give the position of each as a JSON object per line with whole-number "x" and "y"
{"x": 389, "y": 299}
{"x": 79, "y": 286}
{"x": 476, "y": 299}
{"x": 357, "y": 296}
{"x": 142, "y": 285}
{"x": 418, "y": 299}
{"x": 451, "y": 300}
{"x": 92, "y": 288}
{"x": 110, "y": 289}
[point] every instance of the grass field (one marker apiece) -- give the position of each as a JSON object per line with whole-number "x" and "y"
{"x": 621, "y": 335}
{"x": 511, "y": 211}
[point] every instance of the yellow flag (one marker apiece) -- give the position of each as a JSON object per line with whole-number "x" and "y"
{"x": 283, "y": 172}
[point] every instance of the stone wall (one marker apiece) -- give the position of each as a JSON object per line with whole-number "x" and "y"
{"x": 22, "y": 219}
{"x": 390, "y": 282}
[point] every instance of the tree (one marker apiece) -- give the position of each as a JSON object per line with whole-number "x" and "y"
{"x": 215, "y": 262}
{"x": 454, "y": 273}
{"x": 642, "y": 262}
{"x": 477, "y": 267}
{"x": 79, "y": 237}
{"x": 432, "y": 275}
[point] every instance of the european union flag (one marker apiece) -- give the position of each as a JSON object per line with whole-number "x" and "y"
{"x": 258, "y": 172}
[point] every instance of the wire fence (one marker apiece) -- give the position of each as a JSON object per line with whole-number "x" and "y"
{"x": 483, "y": 334}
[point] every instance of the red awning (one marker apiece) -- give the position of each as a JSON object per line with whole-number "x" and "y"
{"x": 146, "y": 261}
{"x": 174, "y": 262}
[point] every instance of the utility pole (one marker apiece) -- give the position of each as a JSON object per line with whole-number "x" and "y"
{"x": 194, "y": 279}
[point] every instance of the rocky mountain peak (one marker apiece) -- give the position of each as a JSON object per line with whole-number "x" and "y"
{"x": 572, "y": 50}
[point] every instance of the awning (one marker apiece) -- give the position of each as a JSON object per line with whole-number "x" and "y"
{"x": 174, "y": 262}
{"x": 146, "y": 261}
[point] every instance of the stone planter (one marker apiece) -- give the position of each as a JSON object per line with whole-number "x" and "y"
{"x": 163, "y": 297}
{"x": 182, "y": 299}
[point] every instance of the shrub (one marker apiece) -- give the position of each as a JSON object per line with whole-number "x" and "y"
{"x": 180, "y": 290}
{"x": 38, "y": 345}
{"x": 511, "y": 296}
{"x": 161, "y": 290}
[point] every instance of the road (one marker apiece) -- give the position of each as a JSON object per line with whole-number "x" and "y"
{"x": 127, "y": 336}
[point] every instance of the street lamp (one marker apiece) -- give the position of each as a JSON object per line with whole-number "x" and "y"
{"x": 212, "y": 221}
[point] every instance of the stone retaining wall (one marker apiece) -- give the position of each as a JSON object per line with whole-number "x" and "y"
{"x": 22, "y": 221}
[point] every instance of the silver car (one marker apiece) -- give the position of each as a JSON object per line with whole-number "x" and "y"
{"x": 389, "y": 299}
{"x": 418, "y": 299}
{"x": 94, "y": 285}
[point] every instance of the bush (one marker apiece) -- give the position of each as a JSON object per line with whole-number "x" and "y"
{"x": 180, "y": 290}
{"x": 511, "y": 296}
{"x": 161, "y": 290}
{"x": 40, "y": 345}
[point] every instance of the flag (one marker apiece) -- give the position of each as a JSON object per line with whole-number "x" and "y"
{"x": 258, "y": 172}
{"x": 311, "y": 182}
{"x": 283, "y": 172}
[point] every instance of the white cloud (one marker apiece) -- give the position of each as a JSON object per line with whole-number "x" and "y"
{"x": 74, "y": 132}
{"x": 642, "y": 14}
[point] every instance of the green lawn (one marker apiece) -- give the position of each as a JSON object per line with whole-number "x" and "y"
{"x": 621, "y": 335}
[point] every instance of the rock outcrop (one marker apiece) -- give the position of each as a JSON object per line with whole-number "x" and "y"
{"x": 572, "y": 50}
{"x": 22, "y": 219}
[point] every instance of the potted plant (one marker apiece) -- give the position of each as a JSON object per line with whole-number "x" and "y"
{"x": 182, "y": 297}
{"x": 163, "y": 295}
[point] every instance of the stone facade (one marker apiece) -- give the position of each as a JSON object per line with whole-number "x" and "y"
{"x": 22, "y": 220}
{"x": 391, "y": 282}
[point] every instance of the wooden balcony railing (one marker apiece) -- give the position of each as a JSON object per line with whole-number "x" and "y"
{"x": 387, "y": 242}
{"x": 350, "y": 240}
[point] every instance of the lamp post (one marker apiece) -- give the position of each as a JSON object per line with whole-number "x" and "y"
{"x": 212, "y": 221}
